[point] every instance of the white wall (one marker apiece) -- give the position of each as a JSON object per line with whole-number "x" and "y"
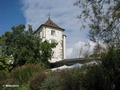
{"x": 46, "y": 35}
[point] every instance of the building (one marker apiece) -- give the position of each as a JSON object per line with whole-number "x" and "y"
{"x": 53, "y": 33}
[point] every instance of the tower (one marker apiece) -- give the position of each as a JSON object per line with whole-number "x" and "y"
{"x": 53, "y": 33}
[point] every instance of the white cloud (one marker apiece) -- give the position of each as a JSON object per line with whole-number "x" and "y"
{"x": 80, "y": 48}
{"x": 69, "y": 52}
{"x": 63, "y": 13}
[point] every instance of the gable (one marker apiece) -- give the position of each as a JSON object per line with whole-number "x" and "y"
{"x": 50, "y": 23}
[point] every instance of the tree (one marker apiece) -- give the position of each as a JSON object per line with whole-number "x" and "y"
{"x": 26, "y": 48}
{"x": 5, "y": 63}
{"x": 103, "y": 17}
{"x": 2, "y": 44}
{"x": 46, "y": 52}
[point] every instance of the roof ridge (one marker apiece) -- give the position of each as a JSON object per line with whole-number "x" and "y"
{"x": 49, "y": 22}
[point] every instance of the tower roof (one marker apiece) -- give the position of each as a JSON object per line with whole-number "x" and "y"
{"x": 50, "y": 23}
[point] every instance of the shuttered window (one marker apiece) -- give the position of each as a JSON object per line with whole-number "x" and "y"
{"x": 52, "y": 32}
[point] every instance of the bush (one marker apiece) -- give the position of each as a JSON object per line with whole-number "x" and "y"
{"x": 3, "y": 79}
{"x": 26, "y": 72}
{"x": 111, "y": 62}
{"x": 51, "y": 83}
{"x": 35, "y": 82}
{"x": 71, "y": 79}
{"x": 105, "y": 76}
{"x": 93, "y": 79}
{"x": 24, "y": 87}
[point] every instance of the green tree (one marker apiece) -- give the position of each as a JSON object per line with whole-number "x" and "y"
{"x": 26, "y": 47}
{"x": 5, "y": 61}
{"x": 2, "y": 44}
{"x": 6, "y": 64}
{"x": 103, "y": 17}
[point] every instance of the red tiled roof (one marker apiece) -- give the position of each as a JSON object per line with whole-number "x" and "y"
{"x": 50, "y": 23}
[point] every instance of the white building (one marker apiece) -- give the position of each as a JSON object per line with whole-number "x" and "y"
{"x": 53, "y": 33}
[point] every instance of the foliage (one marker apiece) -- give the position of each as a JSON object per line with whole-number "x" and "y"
{"x": 105, "y": 76}
{"x": 4, "y": 63}
{"x": 24, "y": 87}
{"x": 104, "y": 23}
{"x": 71, "y": 79}
{"x": 25, "y": 73}
{"x": 46, "y": 52}
{"x": 63, "y": 80}
{"x": 111, "y": 62}
{"x": 25, "y": 47}
{"x": 3, "y": 78}
{"x": 36, "y": 81}
{"x": 4, "y": 60}
{"x": 104, "y": 20}
{"x": 93, "y": 79}
{"x": 2, "y": 44}
{"x": 51, "y": 83}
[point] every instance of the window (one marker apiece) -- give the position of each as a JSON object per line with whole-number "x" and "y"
{"x": 52, "y": 32}
{"x": 53, "y": 54}
{"x": 41, "y": 34}
{"x": 52, "y": 41}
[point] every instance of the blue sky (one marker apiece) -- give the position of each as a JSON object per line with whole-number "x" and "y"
{"x": 10, "y": 15}
{"x": 35, "y": 13}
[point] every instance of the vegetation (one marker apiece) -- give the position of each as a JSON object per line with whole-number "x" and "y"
{"x": 105, "y": 76}
{"x": 102, "y": 17}
{"x": 25, "y": 47}
{"x": 21, "y": 76}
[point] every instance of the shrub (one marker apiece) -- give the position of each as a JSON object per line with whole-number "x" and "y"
{"x": 105, "y": 76}
{"x": 35, "y": 82}
{"x": 111, "y": 62}
{"x": 71, "y": 79}
{"x": 3, "y": 78}
{"x": 51, "y": 83}
{"x": 24, "y": 73}
{"x": 24, "y": 87}
{"x": 93, "y": 79}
